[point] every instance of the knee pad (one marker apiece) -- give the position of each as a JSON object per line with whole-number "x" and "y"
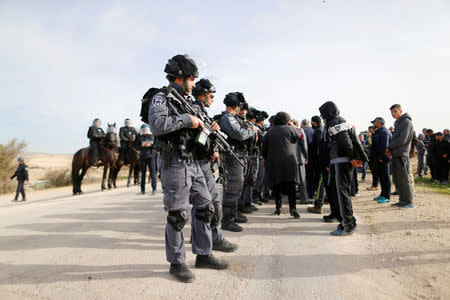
{"x": 177, "y": 219}
{"x": 206, "y": 213}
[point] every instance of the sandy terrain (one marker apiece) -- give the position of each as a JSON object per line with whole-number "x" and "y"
{"x": 110, "y": 245}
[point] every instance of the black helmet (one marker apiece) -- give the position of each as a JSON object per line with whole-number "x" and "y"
{"x": 252, "y": 113}
{"x": 231, "y": 99}
{"x": 261, "y": 116}
{"x": 181, "y": 66}
{"x": 244, "y": 105}
{"x": 203, "y": 87}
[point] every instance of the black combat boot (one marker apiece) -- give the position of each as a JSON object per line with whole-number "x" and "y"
{"x": 224, "y": 246}
{"x": 181, "y": 272}
{"x": 244, "y": 210}
{"x": 277, "y": 211}
{"x": 210, "y": 262}
{"x": 330, "y": 219}
{"x": 241, "y": 218}
{"x": 232, "y": 227}
{"x": 294, "y": 213}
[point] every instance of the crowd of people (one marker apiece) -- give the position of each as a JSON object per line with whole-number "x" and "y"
{"x": 311, "y": 162}
{"x": 315, "y": 161}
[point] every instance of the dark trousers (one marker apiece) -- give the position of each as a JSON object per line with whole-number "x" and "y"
{"x": 323, "y": 188}
{"x": 373, "y": 170}
{"x": 310, "y": 179}
{"x": 400, "y": 174}
{"x": 421, "y": 163}
{"x": 354, "y": 182}
{"x": 288, "y": 188}
{"x": 94, "y": 152}
{"x": 383, "y": 172}
{"x": 442, "y": 170}
{"x": 339, "y": 197}
{"x": 149, "y": 163}
{"x": 20, "y": 189}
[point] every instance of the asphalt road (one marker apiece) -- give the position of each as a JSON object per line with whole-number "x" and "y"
{"x": 110, "y": 245}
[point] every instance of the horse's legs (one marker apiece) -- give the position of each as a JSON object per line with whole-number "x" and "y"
{"x": 75, "y": 172}
{"x": 105, "y": 170}
{"x": 115, "y": 173}
{"x": 110, "y": 175}
{"x": 136, "y": 174}
{"x": 80, "y": 179}
{"x": 130, "y": 172}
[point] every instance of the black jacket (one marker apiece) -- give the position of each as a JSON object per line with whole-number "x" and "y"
{"x": 343, "y": 140}
{"x": 280, "y": 155}
{"x": 314, "y": 145}
{"x": 21, "y": 173}
{"x": 126, "y": 133}
{"x": 95, "y": 134}
{"x": 146, "y": 152}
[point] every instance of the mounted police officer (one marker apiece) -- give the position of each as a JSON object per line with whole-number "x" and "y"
{"x": 22, "y": 178}
{"x": 147, "y": 158}
{"x": 204, "y": 96}
{"x": 182, "y": 178}
{"x": 234, "y": 172}
{"x": 95, "y": 135}
{"x": 127, "y": 135}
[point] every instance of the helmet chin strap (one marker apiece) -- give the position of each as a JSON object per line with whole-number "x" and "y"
{"x": 186, "y": 91}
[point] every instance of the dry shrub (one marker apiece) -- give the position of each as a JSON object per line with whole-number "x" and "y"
{"x": 8, "y": 164}
{"x": 58, "y": 178}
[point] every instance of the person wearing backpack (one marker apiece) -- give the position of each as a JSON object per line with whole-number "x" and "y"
{"x": 182, "y": 179}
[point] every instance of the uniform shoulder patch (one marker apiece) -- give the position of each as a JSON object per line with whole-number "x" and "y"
{"x": 158, "y": 100}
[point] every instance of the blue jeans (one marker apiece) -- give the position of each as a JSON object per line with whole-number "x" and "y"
{"x": 364, "y": 170}
{"x": 383, "y": 173}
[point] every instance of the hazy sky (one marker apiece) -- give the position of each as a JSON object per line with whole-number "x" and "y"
{"x": 64, "y": 63}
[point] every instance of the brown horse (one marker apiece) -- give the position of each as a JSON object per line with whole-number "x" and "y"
{"x": 129, "y": 156}
{"x": 108, "y": 154}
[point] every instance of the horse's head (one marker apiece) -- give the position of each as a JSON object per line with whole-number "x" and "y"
{"x": 111, "y": 139}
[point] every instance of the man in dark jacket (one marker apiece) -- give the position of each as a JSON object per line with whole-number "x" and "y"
{"x": 441, "y": 155}
{"x": 127, "y": 134}
{"x": 345, "y": 153}
{"x": 380, "y": 142}
{"x": 399, "y": 148}
{"x": 147, "y": 158}
{"x": 302, "y": 160}
{"x": 421, "y": 155}
{"x": 95, "y": 135}
{"x": 280, "y": 159}
{"x": 22, "y": 178}
{"x": 310, "y": 168}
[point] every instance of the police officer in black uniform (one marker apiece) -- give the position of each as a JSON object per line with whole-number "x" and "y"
{"x": 127, "y": 134}
{"x": 147, "y": 158}
{"x": 204, "y": 96}
{"x": 95, "y": 135}
{"x": 253, "y": 152}
{"x": 258, "y": 189}
{"x": 234, "y": 172}
{"x": 22, "y": 178}
{"x": 182, "y": 178}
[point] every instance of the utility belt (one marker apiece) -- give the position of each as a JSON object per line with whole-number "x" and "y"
{"x": 169, "y": 150}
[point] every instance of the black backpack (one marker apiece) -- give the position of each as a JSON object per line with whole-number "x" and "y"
{"x": 145, "y": 102}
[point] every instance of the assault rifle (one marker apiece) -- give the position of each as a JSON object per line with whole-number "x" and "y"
{"x": 218, "y": 137}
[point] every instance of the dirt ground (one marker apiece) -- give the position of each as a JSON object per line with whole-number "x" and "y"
{"x": 110, "y": 245}
{"x": 414, "y": 244}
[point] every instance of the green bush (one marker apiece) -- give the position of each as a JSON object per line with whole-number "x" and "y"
{"x": 58, "y": 178}
{"x": 8, "y": 164}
